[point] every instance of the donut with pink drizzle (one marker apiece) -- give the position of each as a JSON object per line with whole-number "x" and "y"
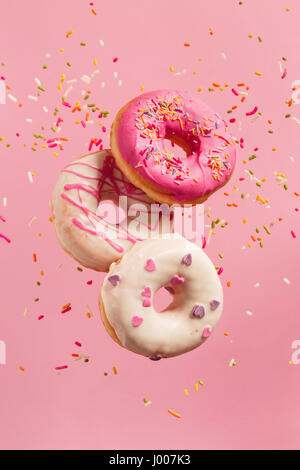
{"x": 138, "y": 142}
{"x": 126, "y": 300}
{"x": 89, "y": 221}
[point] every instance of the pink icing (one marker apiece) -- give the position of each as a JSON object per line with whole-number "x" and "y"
{"x": 157, "y": 115}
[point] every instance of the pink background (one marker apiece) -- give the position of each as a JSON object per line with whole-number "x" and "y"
{"x": 253, "y": 405}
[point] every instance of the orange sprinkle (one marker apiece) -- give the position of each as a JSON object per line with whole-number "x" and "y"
{"x": 296, "y": 194}
{"x": 226, "y": 194}
{"x": 34, "y": 258}
{"x": 94, "y": 12}
{"x": 114, "y": 370}
{"x": 235, "y": 205}
{"x": 234, "y": 107}
{"x": 253, "y": 238}
{"x": 75, "y": 355}
{"x": 226, "y": 334}
{"x": 88, "y": 314}
{"x": 66, "y": 306}
{"x": 186, "y": 44}
{"x": 216, "y": 84}
{"x": 174, "y": 414}
{"x": 243, "y": 99}
{"x": 228, "y": 283}
{"x": 87, "y": 116}
{"x": 228, "y": 204}
{"x": 21, "y": 368}
{"x": 280, "y": 219}
{"x": 241, "y": 84}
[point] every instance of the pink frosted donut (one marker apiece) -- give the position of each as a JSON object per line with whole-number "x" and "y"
{"x": 138, "y": 144}
{"x": 126, "y": 299}
{"x": 89, "y": 222}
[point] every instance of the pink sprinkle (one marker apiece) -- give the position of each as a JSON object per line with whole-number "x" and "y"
{"x": 203, "y": 242}
{"x": 89, "y": 283}
{"x": 256, "y": 149}
{"x": 2, "y": 78}
{"x": 150, "y": 265}
{"x": 40, "y": 317}
{"x": 296, "y": 209}
{"x": 2, "y": 218}
{"x": 136, "y": 321}
{"x": 78, "y": 344}
{"x": 103, "y": 129}
{"x": 206, "y": 332}
{"x": 234, "y": 92}
{"x": 250, "y": 113}
{"x": 66, "y": 104}
{"x": 232, "y": 120}
{"x": 241, "y": 179}
{"x": 177, "y": 280}
{"x": 5, "y": 238}
{"x": 83, "y": 124}
{"x": 58, "y": 121}
{"x": 284, "y": 73}
{"x": 115, "y": 59}
{"x": 91, "y": 144}
{"x": 61, "y": 367}
{"x": 98, "y": 142}
{"x": 220, "y": 271}
{"x": 293, "y": 234}
{"x": 52, "y": 146}
{"x": 50, "y": 141}
{"x": 147, "y": 303}
{"x": 146, "y": 292}
{"x": 66, "y": 310}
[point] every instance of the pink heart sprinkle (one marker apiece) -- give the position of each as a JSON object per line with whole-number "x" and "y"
{"x": 206, "y": 332}
{"x": 147, "y": 303}
{"x": 136, "y": 321}
{"x": 146, "y": 292}
{"x": 176, "y": 280}
{"x": 150, "y": 265}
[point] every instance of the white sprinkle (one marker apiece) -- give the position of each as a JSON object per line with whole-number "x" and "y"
{"x": 11, "y": 97}
{"x": 33, "y": 98}
{"x": 177, "y": 74}
{"x": 280, "y": 67}
{"x": 292, "y": 159}
{"x": 95, "y": 73}
{"x": 4, "y": 201}
{"x": 296, "y": 120}
{"x": 249, "y": 313}
{"x": 86, "y": 79}
{"x": 116, "y": 74}
{"x": 243, "y": 93}
{"x": 102, "y": 84}
{"x": 119, "y": 82}
{"x": 286, "y": 280}
{"x": 101, "y": 42}
{"x": 243, "y": 247}
{"x": 25, "y": 312}
{"x": 30, "y": 176}
{"x": 47, "y": 55}
{"x": 232, "y": 362}
{"x": 45, "y": 109}
{"x": 72, "y": 81}
{"x": 183, "y": 71}
{"x": 68, "y": 91}
{"x": 223, "y": 55}
{"x": 28, "y": 120}
{"x": 37, "y": 82}
{"x": 59, "y": 266}
{"x": 257, "y": 284}
{"x": 34, "y": 219}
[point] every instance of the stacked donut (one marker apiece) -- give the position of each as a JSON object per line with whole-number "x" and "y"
{"x": 97, "y": 197}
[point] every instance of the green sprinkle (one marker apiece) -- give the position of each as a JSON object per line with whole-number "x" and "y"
{"x": 83, "y": 43}
{"x": 91, "y": 105}
{"x": 37, "y": 299}
{"x": 220, "y": 255}
{"x": 284, "y": 58}
{"x": 258, "y": 184}
{"x": 251, "y": 172}
{"x": 271, "y": 132}
{"x": 44, "y": 66}
{"x": 285, "y": 187}
{"x": 287, "y": 116}
{"x": 69, "y": 64}
{"x": 200, "y": 382}
{"x": 33, "y": 148}
{"x": 261, "y": 244}
{"x": 86, "y": 97}
{"x": 38, "y": 283}
{"x": 229, "y": 111}
{"x": 53, "y": 129}
{"x": 213, "y": 224}
{"x": 267, "y": 230}
{"x": 259, "y": 38}
{"x": 243, "y": 196}
{"x": 41, "y": 88}
{"x": 252, "y": 157}
{"x": 257, "y": 230}
{"x": 79, "y": 269}
{"x": 86, "y": 360}
{"x": 211, "y": 89}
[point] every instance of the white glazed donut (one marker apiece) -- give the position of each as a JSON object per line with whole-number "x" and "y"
{"x": 85, "y": 190}
{"x": 126, "y": 299}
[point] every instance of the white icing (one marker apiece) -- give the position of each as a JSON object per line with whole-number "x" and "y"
{"x": 175, "y": 330}
{"x": 90, "y": 249}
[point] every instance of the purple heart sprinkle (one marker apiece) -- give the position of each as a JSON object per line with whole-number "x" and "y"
{"x": 198, "y": 311}
{"x": 156, "y": 357}
{"x": 114, "y": 280}
{"x": 214, "y": 304}
{"x": 187, "y": 259}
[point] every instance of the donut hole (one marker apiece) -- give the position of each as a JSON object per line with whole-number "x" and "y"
{"x": 177, "y": 146}
{"x": 162, "y": 299}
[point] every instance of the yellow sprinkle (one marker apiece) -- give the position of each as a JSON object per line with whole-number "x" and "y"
{"x": 249, "y": 244}
{"x": 200, "y": 89}
{"x": 95, "y": 62}
{"x": 61, "y": 50}
{"x": 250, "y": 35}
{"x": 63, "y": 77}
{"x": 258, "y": 73}
{"x": 59, "y": 86}
{"x": 244, "y": 221}
{"x": 171, "y": 69}
{"x": 142, "y": 88}
{"x": 194, "y": 72}
{"x": 55, "y": 154}
{"x": 42, "y": 273}
{"x": 88, "y": 314}
{"x": 196, "y": 387}
{"x": 274, "y": 149}
{"x": 44, "y": 146}
{"x": 196, "y": 180}
{"x": 78, "y": 122}
{"x": 186, "y": 392}
{"x": 173, "y": 413}
{"x": 226, "y": 85}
